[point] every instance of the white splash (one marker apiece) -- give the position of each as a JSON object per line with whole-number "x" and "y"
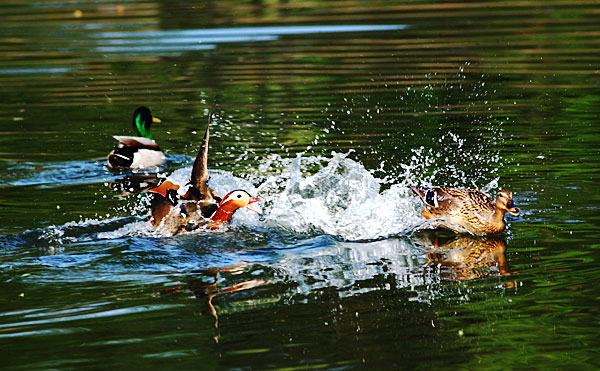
{"x": 137, "y": 228}
{"x": 342, "y": 199}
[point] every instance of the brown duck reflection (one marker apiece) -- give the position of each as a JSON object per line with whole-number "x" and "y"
{"x": 467, "y": 257}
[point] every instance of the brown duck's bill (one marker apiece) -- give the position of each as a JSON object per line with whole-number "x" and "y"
{"x": 164, "y": 188}
{"x": 514, "y": 211}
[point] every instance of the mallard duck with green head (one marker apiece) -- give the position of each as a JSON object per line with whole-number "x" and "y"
{"x": 140, "y": 152}
{"x": 466, "y": 210}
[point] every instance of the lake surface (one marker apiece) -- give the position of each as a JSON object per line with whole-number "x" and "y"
{"x": 328, "y": 110}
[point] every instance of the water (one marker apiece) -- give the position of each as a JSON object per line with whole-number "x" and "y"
{"x": 328, "y": 111}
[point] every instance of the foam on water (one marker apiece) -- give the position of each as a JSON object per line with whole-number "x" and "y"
{"x": 342, "y": 199}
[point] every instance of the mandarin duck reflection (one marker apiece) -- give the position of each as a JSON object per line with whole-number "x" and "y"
{"x": 200, "y": 206}
{"x": 202, "y": 289}
{"x": 463, "y": 210}
{"x": 140, "y": 152}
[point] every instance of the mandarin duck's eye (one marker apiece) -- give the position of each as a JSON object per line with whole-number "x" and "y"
{"x": 239, "y": 196}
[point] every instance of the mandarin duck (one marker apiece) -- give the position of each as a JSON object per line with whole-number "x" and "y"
{"x": 463, "y": 210}
{"x": 200, "y": 206}
{"x": 140, "y": 152}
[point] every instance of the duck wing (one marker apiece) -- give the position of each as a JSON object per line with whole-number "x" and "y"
{"x": 137, "y": 142}
{"x": 479, "y": 201}
{"x": 199, "y": 179}
{"x": 441, "y": 201}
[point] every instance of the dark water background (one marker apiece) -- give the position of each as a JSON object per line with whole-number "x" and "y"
{"x": 327, "y": 110}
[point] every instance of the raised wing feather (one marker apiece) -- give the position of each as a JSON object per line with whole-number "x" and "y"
{"x": 199, "y": 177}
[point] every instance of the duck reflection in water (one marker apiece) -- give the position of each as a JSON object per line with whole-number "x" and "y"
{"x": 134, "y": 184}
{"x": 203, "y": 289}
{"x": 466, "y": 257}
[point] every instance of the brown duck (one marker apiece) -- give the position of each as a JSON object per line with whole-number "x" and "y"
{"x": 466, "y": 210}
{"x": 201, "y": 206}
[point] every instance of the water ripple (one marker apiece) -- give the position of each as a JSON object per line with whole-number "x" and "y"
{"x": 53, "y": 317}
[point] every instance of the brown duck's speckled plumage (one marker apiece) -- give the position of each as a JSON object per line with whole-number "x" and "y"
{"x": 466, "y": 210}
{"x": 172, "y": 219}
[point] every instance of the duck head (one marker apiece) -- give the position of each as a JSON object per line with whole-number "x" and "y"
{"x": 229, "y": 204}
{"x": 237, "y": 199}
{"x": 504, "y": 202}
{"x": 142, "y": 120}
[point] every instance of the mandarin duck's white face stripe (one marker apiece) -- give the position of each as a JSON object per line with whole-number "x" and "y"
{"x": 239, "y": 199}
{"x": 241, "y": 196}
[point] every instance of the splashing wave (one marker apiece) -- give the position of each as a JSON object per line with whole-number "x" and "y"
{"x": 342, "y": 199}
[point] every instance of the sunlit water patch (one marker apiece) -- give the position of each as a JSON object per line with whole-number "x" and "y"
{"x": 323, "y": 263}
{"x": 55, "y": 174}
{"x": 178, "y": 41}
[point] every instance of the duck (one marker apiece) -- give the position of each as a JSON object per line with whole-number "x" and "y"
{"x": 466, "y": 210}
{"x": 140, "y": 152}
{"x": 200, "y": 205}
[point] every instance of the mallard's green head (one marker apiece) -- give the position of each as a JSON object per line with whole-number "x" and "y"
{"x": 142, "y": 120}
